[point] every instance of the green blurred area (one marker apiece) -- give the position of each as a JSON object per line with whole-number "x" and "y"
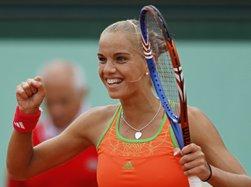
{"x": 215, "y": 50}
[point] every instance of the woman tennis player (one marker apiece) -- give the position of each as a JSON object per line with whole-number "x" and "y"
{"x": 135, "y": 143}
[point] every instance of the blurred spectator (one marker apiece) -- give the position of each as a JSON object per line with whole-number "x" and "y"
{"x": 66, "y": 92}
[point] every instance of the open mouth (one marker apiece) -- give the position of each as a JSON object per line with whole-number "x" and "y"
{"x": 114, "y": 81}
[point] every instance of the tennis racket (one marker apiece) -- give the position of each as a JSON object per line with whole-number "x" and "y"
{"x": 166, "y": 74}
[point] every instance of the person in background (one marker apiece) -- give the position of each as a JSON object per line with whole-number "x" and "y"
{"x": 66, "y": 98}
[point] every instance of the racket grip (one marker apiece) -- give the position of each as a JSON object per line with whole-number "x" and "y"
{"x": 194, "y": 181}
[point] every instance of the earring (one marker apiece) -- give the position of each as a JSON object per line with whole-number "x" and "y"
{"x": 147, "y": 73}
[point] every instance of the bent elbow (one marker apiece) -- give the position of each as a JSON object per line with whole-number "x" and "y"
{"x": 17, "y": 174}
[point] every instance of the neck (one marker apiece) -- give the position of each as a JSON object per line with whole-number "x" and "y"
{"x": 139, "y": 110}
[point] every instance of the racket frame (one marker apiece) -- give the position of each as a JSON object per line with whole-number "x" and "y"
{"x": 179, "y": 124}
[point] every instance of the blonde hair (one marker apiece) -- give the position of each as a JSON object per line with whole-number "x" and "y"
{"x": 130, "y": 27}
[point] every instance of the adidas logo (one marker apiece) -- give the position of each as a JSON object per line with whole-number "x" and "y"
{"x": 19, "y": 125}
{"x": 128, "y": 165}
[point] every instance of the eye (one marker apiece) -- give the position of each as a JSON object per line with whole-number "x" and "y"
{"x": 121, "y": 59}
{"x": 101, "y": 59}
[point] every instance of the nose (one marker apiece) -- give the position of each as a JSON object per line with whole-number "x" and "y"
{"x": 110, "y": 67}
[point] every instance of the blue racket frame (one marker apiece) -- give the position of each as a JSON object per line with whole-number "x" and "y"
{"x": 156, "y": 80}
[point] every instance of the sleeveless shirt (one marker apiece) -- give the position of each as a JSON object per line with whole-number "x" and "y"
{"x": 146, "y": 162}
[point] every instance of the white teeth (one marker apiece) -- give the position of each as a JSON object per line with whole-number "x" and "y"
{"x": 113, "y": 81}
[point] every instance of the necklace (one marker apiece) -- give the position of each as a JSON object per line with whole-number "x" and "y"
{"x": 138, "y": 132}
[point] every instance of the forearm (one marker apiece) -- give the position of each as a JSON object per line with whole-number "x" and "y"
{"x": 222, "y": 178}
{"x": 19, "y": 154}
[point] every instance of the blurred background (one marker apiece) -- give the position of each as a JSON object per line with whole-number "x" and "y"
{"x": 213, "y": 38}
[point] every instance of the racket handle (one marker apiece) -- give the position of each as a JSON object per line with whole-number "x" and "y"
{"x": 194, "y": 181}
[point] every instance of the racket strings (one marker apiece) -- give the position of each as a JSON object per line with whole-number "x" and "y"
{"x": 163, "y": 63}
{"x": 167, "y": 77}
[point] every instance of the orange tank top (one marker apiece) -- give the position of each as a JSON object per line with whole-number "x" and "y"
{"x": 147, "y": 162}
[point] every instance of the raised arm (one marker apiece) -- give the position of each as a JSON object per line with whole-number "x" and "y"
{"x": 24, "y": 161}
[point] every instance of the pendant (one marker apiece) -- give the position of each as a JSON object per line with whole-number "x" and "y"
{"x": 137, "y": 135}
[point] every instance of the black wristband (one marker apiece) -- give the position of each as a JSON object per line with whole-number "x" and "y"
{"x": 210, "y": 174}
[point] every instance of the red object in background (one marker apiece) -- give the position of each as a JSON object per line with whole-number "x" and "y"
{"x": 79, "y": 171}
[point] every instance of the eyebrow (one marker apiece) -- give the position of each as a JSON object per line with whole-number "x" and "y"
{"x": 116, "y": 54}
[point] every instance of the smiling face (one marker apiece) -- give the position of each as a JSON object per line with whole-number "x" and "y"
{"x": 122, "y": 67}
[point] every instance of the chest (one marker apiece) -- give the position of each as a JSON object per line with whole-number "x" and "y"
{"x": 161, "y": 171}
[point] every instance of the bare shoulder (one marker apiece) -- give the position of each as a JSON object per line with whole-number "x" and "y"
{"x": 194, "y": 112}
{"x": 93, "y": 122}
{"x": 204, "y": 134}
{"x": 197, "y": 118}
{"x": 96, "y": 116}
{"x": 201, "y": 127}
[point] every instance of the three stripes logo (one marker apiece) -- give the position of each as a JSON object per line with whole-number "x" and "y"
{"x": 147, "y": 50}
{"x": 19, "y": 125}
{"x": 128, "y": 165}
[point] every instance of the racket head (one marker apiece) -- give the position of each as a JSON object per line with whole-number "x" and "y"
{"x": 165, "y": 70}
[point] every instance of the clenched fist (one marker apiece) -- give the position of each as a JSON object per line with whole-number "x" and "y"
{"x": 30, "y": 95}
